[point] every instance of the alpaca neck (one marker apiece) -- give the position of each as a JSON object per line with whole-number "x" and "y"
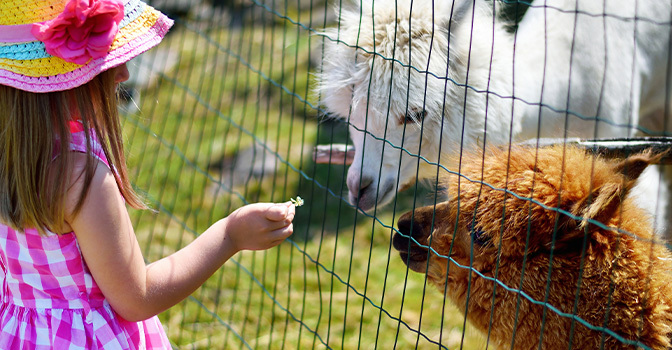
{"x": 481, "y": 60}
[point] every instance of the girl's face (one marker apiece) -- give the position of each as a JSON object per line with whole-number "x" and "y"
{"x": 121, "y": 74}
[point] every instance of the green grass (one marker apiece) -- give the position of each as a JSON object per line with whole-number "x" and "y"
{"x": 336, "y": 283}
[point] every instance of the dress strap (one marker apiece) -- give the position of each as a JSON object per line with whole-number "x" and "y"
{"x": 75, "y": 126}
{"x": 78, "y": 142}
{"x": 3, "y": 270}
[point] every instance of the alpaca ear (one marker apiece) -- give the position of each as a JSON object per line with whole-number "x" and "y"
{"x": 447, "y": 11}
{"x": 601, "y": 204}
{"x": 604, "y": 201}
{"x": 633, "y": 166}
{"x": 442, "y": 11}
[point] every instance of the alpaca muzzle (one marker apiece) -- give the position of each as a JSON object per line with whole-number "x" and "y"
{"x": 409, "y": 240}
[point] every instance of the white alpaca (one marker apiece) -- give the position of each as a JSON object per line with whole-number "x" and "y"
{"x": 444, "y": 75}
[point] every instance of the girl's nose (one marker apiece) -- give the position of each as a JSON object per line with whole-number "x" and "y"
{"x": 121, "y": 74}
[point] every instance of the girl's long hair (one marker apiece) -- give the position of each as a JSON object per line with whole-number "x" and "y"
{"x": 35, "y": 162}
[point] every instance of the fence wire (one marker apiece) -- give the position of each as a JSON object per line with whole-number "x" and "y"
{"x": 225, "y": 112}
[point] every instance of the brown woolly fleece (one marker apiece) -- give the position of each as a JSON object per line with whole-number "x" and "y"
{"x": 616, "y": 278}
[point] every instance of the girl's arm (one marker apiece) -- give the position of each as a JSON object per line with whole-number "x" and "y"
{"x": 137, "y": 291}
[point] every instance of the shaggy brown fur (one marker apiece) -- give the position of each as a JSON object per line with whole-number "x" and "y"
{"x": 621, "y": 281}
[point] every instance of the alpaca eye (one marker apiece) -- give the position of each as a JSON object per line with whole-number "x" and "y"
{"x": 414, "y": 116}
{"x": 477, "y": 235}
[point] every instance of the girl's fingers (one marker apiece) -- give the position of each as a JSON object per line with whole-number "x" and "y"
{"x": 282, "y": 233}
{"x": 278, "y": 236}
{"x": 280, "y": 212}
{"x": 277, "y": 243}
{"x": 275, "y": 226}
{"x": 279, "y": 223}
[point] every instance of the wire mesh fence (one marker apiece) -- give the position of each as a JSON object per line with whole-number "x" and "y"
{"x": 228, "y": 109}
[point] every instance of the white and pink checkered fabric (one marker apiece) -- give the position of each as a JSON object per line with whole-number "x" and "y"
{"x": 49, "y": 299}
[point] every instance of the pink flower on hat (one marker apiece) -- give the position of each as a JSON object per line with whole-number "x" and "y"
{"x": 84, "y": 30}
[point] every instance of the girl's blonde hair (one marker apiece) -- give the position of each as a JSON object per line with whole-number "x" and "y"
{"x": 33, "y": 128}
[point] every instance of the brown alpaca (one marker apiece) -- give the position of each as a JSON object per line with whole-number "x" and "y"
{"x": 609, "y": 278}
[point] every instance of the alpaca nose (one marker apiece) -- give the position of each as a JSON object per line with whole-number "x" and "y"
{"x": 413, "y": 255}
{"x": 359, "y": 185}
{"x": 408, "y": 228}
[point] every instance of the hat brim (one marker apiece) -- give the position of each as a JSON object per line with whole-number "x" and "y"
{"x": 27, "y": 66}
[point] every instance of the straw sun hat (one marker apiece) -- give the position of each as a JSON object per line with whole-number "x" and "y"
{"x": 53, "y": 45}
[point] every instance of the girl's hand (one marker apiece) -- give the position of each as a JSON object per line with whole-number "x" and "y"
{"x": 259, "y": 226}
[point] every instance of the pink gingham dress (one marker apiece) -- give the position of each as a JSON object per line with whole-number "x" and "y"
{"x": 50, "y": 300}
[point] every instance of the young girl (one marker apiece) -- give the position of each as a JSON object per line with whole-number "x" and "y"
{"x": 73, "y": 275}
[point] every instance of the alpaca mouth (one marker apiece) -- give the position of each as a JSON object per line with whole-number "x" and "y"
{"x": 416, "y": 260}
{"x": 372, "y": 196}
{"x": 411, "y": 256}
